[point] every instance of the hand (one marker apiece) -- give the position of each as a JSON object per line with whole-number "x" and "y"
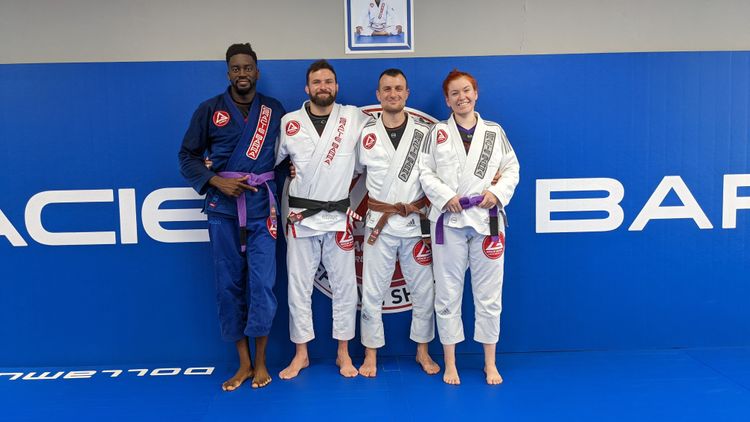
{"x": 453, "y": 205}
{"x": 398, "y": 29}
{"x": 489, "y": 201}
{"x": 231, "y": 187}
{"x": 496, "y": 178}
{"x": 358, "y": 30}
{"x": 292, "y": 170}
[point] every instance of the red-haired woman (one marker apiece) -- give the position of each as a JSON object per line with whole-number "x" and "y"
{"x": 467, "y": 216}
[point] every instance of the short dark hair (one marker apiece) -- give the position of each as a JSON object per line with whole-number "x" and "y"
{"x": 393, "y": 72}
{"x": 241, "y": 49}
{"x": 319, "y": 65}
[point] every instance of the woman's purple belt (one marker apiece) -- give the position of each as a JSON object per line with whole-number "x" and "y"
{"x": 253, "y": 180}
{"x": 469, "y": 202}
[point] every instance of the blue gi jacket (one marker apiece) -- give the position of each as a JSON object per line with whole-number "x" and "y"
{"x": 233, "y": 144}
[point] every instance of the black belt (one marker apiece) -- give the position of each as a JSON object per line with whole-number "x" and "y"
{"x": 313, "y": 207}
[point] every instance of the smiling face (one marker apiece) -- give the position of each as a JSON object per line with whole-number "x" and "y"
{"x": 461, "y": 96}
{"x": 243, "y": 73}
{"x": 392, "y": 93}
{"x": 322, "y": 87}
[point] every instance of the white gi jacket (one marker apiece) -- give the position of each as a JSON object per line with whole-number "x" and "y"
{"x": 446, "y": 170}
{"x": 324, "y": 164}
{"x": 393, "y": 175}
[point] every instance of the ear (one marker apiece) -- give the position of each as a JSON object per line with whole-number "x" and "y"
{"x": 307, "y": 90}
{"x": 377, "y": 95}
{"x": 447, "y": 103}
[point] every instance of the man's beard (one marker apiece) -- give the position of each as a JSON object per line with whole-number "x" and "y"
{"x": 393, "y": 109}
{"x": 246, "y": 90}
{"x": 323, "y": 101}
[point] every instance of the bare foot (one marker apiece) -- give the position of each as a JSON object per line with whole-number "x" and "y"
{"x": 428, "y": 365}
{"x": 262, "y": 378}
{"x": 493, "y": 376}
{"x": 233, "y": 383}
{"x": 346, "y": 367}
{"x": 451, "y": 375}
{"x": 298, "y": 363}
{"x": 369, "y": 367}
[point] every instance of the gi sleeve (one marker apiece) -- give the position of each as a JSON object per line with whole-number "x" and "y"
{"x": 191, "y": 155}
{"x": 509, "y": 173}
{"x": 436, "y": 190}
{"x": 281, "y": 145}
{"x": 359, "y": 166}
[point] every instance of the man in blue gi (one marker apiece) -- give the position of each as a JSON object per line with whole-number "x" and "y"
{"x": 236, "y": 132}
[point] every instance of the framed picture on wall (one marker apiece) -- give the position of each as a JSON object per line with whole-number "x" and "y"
{"x": 379, "y": 26}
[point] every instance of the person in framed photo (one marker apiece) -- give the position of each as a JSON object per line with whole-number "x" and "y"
{"x": 379, "y": 19}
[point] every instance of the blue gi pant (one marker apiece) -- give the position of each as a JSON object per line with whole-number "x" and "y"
{"x": 244, "y": 281}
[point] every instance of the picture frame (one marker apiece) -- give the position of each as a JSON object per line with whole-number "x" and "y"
{"x": 378, "y": 26}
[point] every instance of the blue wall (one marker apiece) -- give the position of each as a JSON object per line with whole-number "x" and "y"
{"x": 631, "y": 117}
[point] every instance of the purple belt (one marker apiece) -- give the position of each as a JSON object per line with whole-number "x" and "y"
{"x": 469, "y": 202}
{"x": 253, "y": 180}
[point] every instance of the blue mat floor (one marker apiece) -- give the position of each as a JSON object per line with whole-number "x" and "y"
{"x": 672, "y": 385}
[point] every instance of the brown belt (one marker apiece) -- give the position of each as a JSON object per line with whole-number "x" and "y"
{"x": 399, "y": 208}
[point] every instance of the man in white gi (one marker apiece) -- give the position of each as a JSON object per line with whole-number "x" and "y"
{"x": 389, "y": 148}
{"x": 380, "y": 18}
{"x": 457, "y": 165}
{"x": 320, "y": 138}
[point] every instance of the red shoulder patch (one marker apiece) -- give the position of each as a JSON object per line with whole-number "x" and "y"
{"x": 369, "y": 141}
{"x": 442, "y": 136}
{"x": 292, "y": 128}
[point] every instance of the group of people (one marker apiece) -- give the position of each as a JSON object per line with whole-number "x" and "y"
{"x": 433, "y": 189}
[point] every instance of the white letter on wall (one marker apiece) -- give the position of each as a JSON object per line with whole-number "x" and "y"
{"x": 152, "y": 216}
{"x": 732, "y": 202}
{"x": 128, "y": 222}
{"x": 37, "y": 231}
{"x": 7, "y": 230}
{"x": 545, "y": 205}
{"x": 654, "y": 211}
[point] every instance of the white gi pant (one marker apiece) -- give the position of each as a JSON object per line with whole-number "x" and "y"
{"x": 304, "y": 254}
{"x": 462, "y": 248}
{"x": 379, "y": 261}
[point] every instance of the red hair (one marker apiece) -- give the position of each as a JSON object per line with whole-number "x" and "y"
{"x": 455, "y": 74}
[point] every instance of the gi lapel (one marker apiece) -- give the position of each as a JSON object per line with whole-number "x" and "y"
{"x": 253, "y": 133}
{"x": 386, "y": 140}
{"x": 458, "y": 146}
{"x": 402, "y": 165}
{"x": 478, "y": 159}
